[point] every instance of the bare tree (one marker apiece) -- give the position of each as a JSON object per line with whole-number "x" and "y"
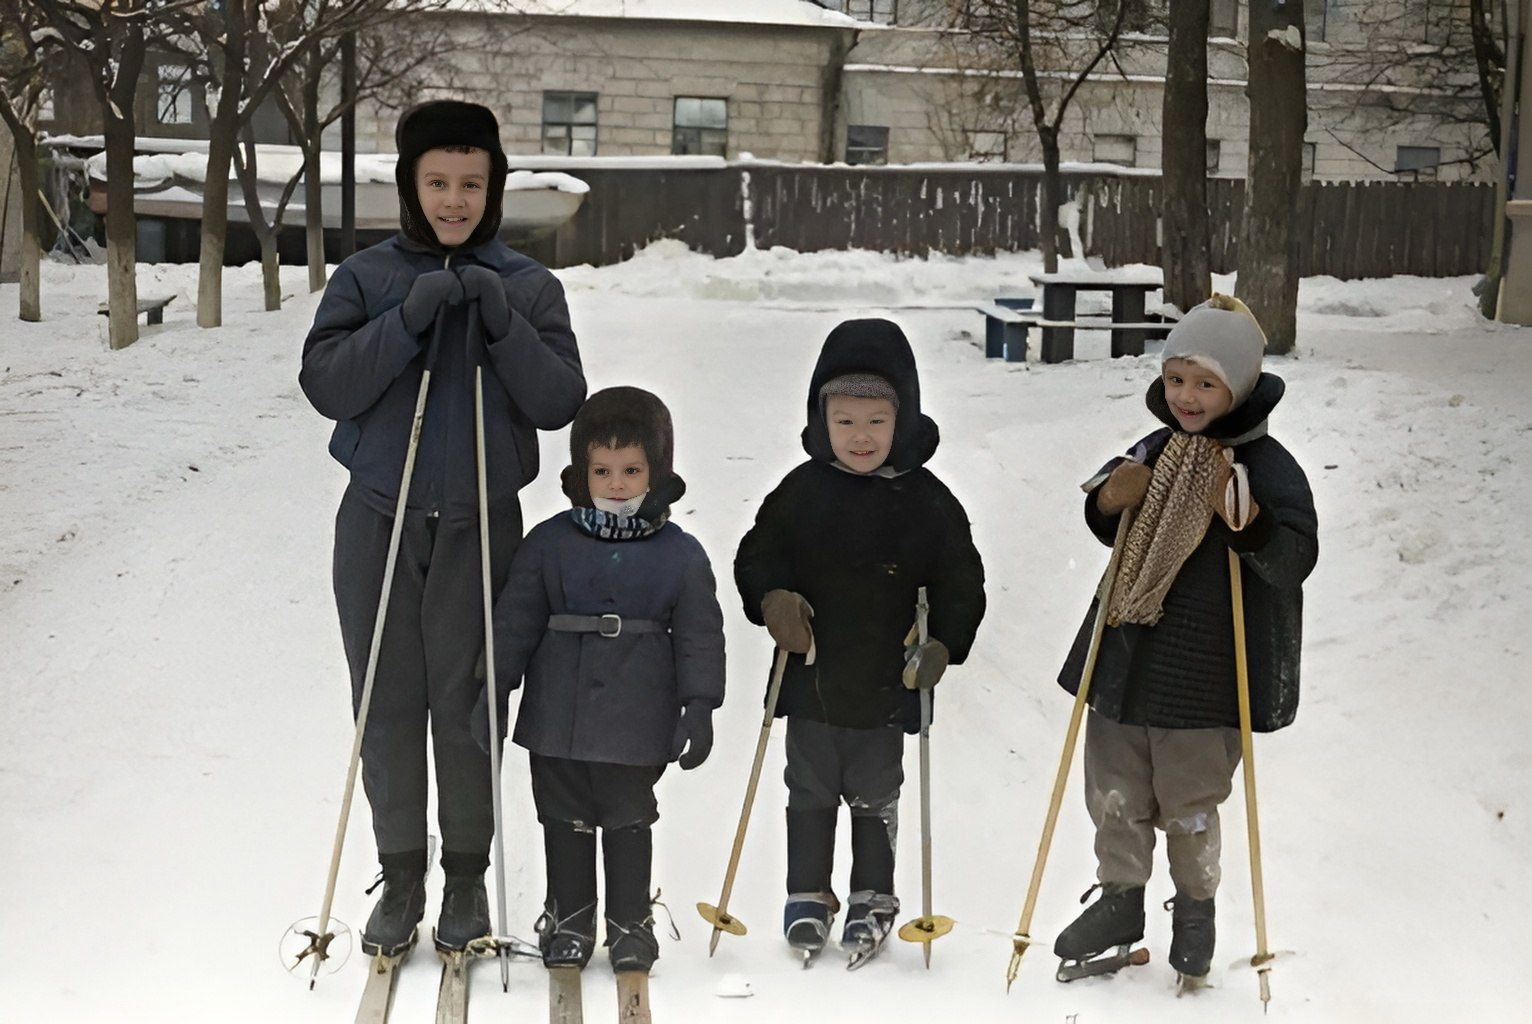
{"x": 1059, "y": 41}
{"x": 1185, "y": 252}
{"x": 25, "y": 43}
{"x": 267, "y": 230}
{"x": 112, "y": 37}
{"x": 1268, "y": 246}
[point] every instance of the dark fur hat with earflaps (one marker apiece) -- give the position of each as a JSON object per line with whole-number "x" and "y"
{"x": 616, "y": 418}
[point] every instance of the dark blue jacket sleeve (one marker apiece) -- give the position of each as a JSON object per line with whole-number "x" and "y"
{"x": 538, "y": 361}
{"x": 349, "y": 359}
{"x": 696, "y": 636}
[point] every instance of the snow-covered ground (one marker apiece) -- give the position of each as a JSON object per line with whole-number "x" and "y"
{"x": 175, "y": 719}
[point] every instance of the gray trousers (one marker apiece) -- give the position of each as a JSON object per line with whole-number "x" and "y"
{"x": 432, "y": 638}
{"x": 1139, "y": 778}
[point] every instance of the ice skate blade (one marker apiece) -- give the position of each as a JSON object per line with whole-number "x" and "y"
{"x": 1074, "y": 970}
{"x": 720, "y": 920}
{"x": 1187, "y": 984}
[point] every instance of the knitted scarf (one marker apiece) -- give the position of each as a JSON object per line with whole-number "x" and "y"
{"x": 1170, "y": 524}
{"x": 606, "y": 526}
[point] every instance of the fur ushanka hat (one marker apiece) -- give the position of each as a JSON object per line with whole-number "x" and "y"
{"x": 439, "y": 124}
{"x": 616, "y": 418}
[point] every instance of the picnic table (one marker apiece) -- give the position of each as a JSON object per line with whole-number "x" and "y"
{"x": 1129, "y": 287}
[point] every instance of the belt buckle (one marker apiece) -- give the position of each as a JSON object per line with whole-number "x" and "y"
{"x": 607, "y": 619}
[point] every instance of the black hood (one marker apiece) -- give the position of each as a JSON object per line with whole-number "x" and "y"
{"x": 877, "y": 347}
{"x": 1269, "y": 389}
{"x": 435, "y": 124}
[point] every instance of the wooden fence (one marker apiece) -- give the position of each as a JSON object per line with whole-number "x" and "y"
{"x": 1346, "y": 229}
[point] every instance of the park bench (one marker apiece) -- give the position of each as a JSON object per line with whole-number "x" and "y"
{"x": 155, "y": 307}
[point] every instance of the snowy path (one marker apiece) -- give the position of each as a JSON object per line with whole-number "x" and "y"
{"x": 175, "y": 713}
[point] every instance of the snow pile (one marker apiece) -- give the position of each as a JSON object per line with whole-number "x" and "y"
{"x": 176, "y": 708}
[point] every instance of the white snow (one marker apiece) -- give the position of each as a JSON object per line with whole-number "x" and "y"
{"x": 176, "y": 708}
{"x": 751, "y": 12}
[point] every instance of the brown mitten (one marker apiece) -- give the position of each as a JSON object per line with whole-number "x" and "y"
{"x": 787, "y": 617}
{"x": 1230, "y": 495}
{"x": 1124, "y": 488}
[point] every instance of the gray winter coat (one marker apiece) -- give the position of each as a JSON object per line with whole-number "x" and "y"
{"x": 594, "y": 698}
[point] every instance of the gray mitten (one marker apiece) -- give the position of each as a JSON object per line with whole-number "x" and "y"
{"x": 484, "y": 286}
{"x": 428, "y": 294}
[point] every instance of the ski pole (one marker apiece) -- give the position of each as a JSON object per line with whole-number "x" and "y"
{"x": 718, "y": 916}
{"x": 1262, "y": 959}
{"x": 926, "y": 928}
{"x": 1022, "y": 939}
{"x": 489, "y": 673}
{"x": 322, "y": 935}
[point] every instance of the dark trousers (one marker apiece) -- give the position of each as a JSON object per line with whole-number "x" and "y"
{"x": 573, "y": 799}
{"x": 825, "y": 765}
{"x": 432, "y": 638}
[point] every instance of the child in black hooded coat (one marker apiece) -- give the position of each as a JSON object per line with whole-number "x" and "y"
{"x": 832, "y": 567}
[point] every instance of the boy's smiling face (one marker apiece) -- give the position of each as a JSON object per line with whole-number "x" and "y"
{"x": 1195, "y": 394}
{"x": 861, "y": 431}
{"x": 451, "y": 187}
{"x": 617, "y": 473}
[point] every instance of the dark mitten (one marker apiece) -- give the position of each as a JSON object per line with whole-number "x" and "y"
{"x": 484, "y": 286}
{"x": 1124, "y": 489}
{"x": 428, "y": 294}
{"x": 695, "y": 733}
{"x": 787, "y": 617}
{"x": 924, "y": 665}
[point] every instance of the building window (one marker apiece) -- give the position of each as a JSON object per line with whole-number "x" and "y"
{"x": 866, "y": 144}
{"x": 986, "y": 147}
{"x": 1420, "y": 162}
{"x": 173, "y": 103}
{"x": 701, "y": 127}
{"x": 1309, "y": 152}
{"x": 1223, "y": 20}
{"x": 879, "y": 12}
{"x": 1215, "y": 156}
{"x": 1115, "y": 149}
{"x": 569, "y": 123}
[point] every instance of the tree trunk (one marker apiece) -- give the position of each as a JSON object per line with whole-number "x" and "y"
{"x": 121, "y": 226}
{"x": 1053, "y": 197}
{"x": 1185, "y": 253}
{"x": 1489, "y": 298}
{"x": 1268, "y": 247}
{"x": 28, "y": 180}
{"x": 313, "y": 196}
{"x": 215, "y": 218}
{"x": 271, "y": 270}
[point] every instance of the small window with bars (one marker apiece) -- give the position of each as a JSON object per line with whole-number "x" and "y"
{"x": 1223, "y": 19}
{"x": 866, "y": 144}
{"x": 987, "y": 147}
{"x": 701, "y": 127}
{"x": 1420, "y": 163}
{"x": 173, "y": 98}
{"x": 569, "y": 123}
{"x": 879, "y": 12}
{"x": 1115, "y": 149}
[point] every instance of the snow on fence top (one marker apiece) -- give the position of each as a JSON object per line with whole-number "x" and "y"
{"x": 750, "y": 12}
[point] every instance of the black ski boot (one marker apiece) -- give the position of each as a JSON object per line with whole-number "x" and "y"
{"x": 567, "y": 941}
{"x": 869, "y": 920}
{"x": 465, "y": 903}
{"x": 1192, "y": 935}
{"x": 391, "y": 928}
{"x": 1114, "y": 920}
{"x": 807, "y": 919}
{"x": 632, "y": 946}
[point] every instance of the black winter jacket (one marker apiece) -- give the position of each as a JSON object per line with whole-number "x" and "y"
{"x": 594, "y": 698}
{"x": 362, "y": 367}
{"x": 1180, "y": 673}
{"x": 858, "y": 548}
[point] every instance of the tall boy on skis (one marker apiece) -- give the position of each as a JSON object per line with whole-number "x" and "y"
{"x": 832, "y": 567}
{"x": 1161, "y": 738}
{"x": 445, "y": 295}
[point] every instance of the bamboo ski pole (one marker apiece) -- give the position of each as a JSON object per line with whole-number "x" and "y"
{"x": 718, "y": 916}
{"x": 1023, "y": 938}
{"x": 489, "y": 674}
{"x": 321, "y": 937}
{"x": 1262, "y": 959}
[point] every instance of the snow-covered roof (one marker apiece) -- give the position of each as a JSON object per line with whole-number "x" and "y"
{"x": 801, "y": 13}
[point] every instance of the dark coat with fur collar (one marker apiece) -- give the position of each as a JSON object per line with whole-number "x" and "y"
{"x": 1180, "y": 673}
{"x": 858, "y": 548}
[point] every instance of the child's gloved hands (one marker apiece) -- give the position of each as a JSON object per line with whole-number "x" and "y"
{"x": 485, "y": 287}
{"x": 924, "y": 664}
{"x": 1124, "y": 488}
{"x": 428, "y": 294}
{"x": 1230, "y": 495}
{"x": 695, "y": 733}
{"x": 787, "y": 617}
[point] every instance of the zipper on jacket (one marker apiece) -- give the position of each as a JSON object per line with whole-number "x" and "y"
{"x": 435, "y": 511}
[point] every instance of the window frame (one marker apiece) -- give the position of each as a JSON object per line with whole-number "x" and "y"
{"x": 708, "y": 137}
{"x": 881, "y": 150}
{"x": 569, "y": 125}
